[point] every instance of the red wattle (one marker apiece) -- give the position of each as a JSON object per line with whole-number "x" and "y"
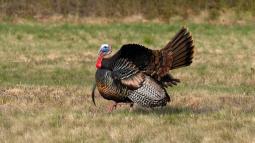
{"x": 99, "y": 61}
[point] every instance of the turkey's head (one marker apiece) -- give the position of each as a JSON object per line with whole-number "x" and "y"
{"x": 104, "y": 50}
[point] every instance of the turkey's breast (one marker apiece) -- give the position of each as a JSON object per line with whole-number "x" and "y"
{"x": 109, "y": 88}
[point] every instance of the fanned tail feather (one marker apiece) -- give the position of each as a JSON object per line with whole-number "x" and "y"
{"x": 182, "y": 48}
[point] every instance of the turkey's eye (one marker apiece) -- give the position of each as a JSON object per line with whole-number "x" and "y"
{"x": 105, "y": 49}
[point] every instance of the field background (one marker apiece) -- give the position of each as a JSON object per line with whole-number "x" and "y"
{"x": 47, "y": 67}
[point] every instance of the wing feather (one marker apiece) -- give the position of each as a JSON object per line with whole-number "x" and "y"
{"x": 127, "y": 73}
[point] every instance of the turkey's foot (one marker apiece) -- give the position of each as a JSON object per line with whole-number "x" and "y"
{"x": 121, "y": 104}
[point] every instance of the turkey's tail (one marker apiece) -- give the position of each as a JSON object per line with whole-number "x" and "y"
{"x": 181, "y": 47}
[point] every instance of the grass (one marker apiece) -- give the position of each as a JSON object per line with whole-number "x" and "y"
{"x": 47, "y": 71}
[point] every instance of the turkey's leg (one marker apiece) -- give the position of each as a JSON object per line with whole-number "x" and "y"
{"x": 112, "y": 106}
{"x": 131, "y": 107}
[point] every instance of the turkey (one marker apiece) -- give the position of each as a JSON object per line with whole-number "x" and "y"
{"x": 136, "y": 74}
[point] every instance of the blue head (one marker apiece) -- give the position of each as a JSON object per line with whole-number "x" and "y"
{"x": 105, "y": 49}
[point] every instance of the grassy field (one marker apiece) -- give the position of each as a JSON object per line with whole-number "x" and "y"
{"x": 47, "y": 72}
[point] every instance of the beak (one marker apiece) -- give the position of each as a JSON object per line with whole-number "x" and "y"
{"x": 99, "y": 52}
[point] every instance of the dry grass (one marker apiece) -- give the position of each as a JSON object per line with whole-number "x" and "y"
{"x": 65, "y": 114}
{"x": 46, "y": 73}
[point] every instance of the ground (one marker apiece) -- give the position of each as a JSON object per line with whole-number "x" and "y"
{"x": 47, "y": 72}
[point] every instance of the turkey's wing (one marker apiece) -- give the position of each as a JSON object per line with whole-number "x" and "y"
{"x": 127, "y": 73}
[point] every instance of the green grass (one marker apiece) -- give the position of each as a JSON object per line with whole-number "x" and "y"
{"x": 47, "y": 71}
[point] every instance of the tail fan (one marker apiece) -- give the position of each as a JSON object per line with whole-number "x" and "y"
{"x": 182, "y": 49}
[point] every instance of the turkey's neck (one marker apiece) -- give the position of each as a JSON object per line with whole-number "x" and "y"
{"x": 104, "y": 62}
{"x": 99, "y": 61}
{"x": 107, "y": 62}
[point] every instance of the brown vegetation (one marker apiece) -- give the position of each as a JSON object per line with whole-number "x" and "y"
{"x": 115, "y": 9}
